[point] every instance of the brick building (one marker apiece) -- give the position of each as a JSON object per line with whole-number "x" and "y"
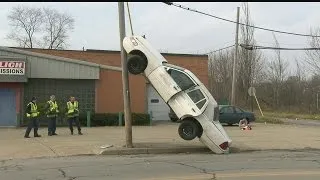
{"x": 93, "y": 76}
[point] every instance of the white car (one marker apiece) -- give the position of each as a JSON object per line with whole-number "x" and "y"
{"x": 194, "y": 105}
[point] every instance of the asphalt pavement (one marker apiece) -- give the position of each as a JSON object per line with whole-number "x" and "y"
{"x": 284, "y": 165}
{"x": 304, "y": 122}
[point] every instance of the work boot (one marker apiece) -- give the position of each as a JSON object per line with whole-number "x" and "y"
{"x": 71, "y": 132}
{"x": 49, "y": 134}
{"x": 79, "y": 132}
{"x": 54, "y": 134}
{"x": 36, "y": 133}
{"x": 26, "y": 135}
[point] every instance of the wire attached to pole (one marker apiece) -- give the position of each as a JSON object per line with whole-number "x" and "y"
{"x": 228, "y": 20}
{"x": 251, "y": 47}
{"x": 129, "y": 14}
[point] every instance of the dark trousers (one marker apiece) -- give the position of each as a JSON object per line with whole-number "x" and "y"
{"x": 76, "y": 121}
{"x": 52, "y": 125}
{"x": 33, "y": 123}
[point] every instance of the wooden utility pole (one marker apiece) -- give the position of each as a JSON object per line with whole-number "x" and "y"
{"x": 125, "y": 78}
{"x": 233, "y": 93}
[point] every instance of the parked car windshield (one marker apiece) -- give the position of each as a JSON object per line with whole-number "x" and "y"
{"x": 183, "y": 81}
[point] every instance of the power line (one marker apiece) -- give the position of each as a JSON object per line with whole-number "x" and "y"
{"x": 210, "y": 49}
{"x": 220, "y": 49}
{"x": 263, "y": 42}
{"x": 261, "y": 28}
{"x": 250, "y": 47}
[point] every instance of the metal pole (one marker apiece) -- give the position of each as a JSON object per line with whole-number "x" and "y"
{"x": 258, "y": 103}
{"x": 233, "y": 93}
{"x": 125, "y": 79}
{"x": 317, "y": 101}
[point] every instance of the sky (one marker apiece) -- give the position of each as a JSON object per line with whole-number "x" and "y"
{"x": 174, "y": 30}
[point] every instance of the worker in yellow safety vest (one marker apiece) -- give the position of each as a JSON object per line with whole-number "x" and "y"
{"x": 32, "y": 115}
{"x": 52, "y": 114}
{"x": 73, "y": 114}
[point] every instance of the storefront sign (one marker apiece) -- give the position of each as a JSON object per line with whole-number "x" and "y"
{"x": 12, "y": 67}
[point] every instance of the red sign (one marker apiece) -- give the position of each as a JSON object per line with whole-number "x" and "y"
{"x": 12, "y": 67}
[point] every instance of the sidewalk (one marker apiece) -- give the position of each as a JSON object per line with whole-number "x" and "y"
{"x": 162, "y": 138}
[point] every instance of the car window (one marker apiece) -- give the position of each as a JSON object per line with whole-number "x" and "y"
{"x": 183, "y": 81}
{"x": 198, "y": 98}
{"x": 227, "y": 110}
{"x": 201, "y": 103}
{"x": 238, "y": 110}
{"x": 196, "y": 95}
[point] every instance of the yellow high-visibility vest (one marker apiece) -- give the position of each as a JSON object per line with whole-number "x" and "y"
{"x": 72, "y": 107}
{"x": 34, "y": 110}
{"x": 53, "y": 109}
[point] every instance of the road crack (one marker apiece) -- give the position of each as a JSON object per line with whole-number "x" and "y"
{"x": 202, "y": 170}
{"x": 64, "y": 174}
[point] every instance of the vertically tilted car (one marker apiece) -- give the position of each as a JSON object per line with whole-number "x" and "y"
{"x": 193, "y": 104}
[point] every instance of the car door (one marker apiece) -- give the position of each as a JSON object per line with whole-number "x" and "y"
{"x": 227, "y": 115}
{"x": 239, "y": 114}
{"x": 191, "y": 100}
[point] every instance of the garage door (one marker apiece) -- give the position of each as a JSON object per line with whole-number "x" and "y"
{"x": 7, "y": 108}
{"x": 156, "y": 105}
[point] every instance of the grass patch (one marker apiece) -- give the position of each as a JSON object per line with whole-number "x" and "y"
{"x": 293, "y": 115}
{"x": 268, "y": 119}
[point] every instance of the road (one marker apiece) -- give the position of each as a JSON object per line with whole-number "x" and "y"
{"x": 301, "y": 122}
{"x": 242, "y": 166}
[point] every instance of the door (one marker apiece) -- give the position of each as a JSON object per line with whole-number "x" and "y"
{"x": 156, "y": 105}
{"x": 227, "y": 115}
{"x": 8, "y": 115}
{"x": 239, "y": 114}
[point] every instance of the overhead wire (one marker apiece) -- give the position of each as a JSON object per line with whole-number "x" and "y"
{"x": 129, "y": 15}
{"x": 210, "y": 49}
{"x": 228, "y": 20}
{"x": 220, "y": 49}
{"x": 250, "y": 47}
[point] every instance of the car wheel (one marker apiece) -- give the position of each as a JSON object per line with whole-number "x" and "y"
{"x": 188, "y": 130}
{"x": 136, "y": 64}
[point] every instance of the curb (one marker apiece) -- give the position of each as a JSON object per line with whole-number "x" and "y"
{"x": 137, "y": 151}
{"x": 188, "y": 150}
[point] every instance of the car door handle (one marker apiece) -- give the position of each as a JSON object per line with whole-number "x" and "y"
{"x": 193, "y": 110}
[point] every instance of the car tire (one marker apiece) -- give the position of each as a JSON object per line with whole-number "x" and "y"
{"x": 188, "y": 130}
{"x": 136, "y": 64}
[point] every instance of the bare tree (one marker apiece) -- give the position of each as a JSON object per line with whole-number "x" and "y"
{"x": 26, "y": 21}
{"x": 250, "y": 64}
{"x": 277, "y": 71}
{"x": 220, "y": 74}
{"x": 313, "y": 56}
{"x": 56, "y": 28}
